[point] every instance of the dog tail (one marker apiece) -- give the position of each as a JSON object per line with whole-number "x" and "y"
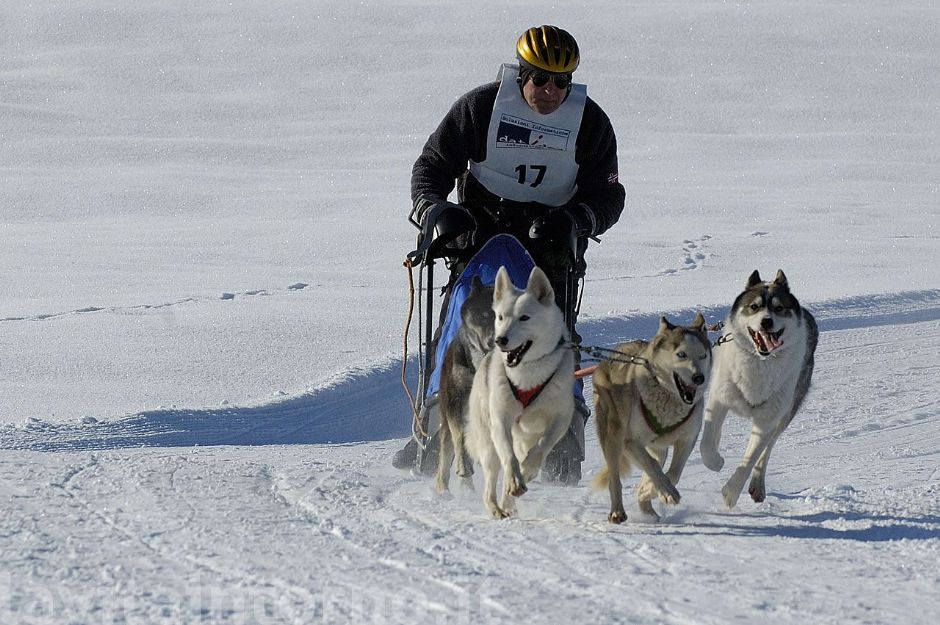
{"x": 602, "y": 479}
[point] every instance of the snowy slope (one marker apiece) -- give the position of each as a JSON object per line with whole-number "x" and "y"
{"x": 201, "y": 234}
{"x": 114, "y": 520}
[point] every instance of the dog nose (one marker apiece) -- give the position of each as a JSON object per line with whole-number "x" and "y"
{"x": 767, "y": 323}
{"x": 698, "y": 378}
{"x": 501, "y": 341}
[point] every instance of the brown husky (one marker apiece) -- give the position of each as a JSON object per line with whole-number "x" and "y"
{"x": 647, "y": 401}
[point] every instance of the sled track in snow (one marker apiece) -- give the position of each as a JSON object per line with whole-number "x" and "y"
{"x": 369, "y": 404}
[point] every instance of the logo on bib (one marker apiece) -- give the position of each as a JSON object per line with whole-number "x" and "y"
{"x": 515, "y": 132}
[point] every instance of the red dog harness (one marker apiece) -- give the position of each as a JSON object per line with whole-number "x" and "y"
{"x": 527, "y": 396}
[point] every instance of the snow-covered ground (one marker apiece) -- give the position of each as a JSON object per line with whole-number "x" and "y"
{"x": 201, "y": 232}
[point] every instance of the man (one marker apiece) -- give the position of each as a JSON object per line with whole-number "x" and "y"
{"x": 532, "y": 156}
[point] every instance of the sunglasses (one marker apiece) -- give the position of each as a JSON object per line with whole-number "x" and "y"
{"x": 540, "y": 79}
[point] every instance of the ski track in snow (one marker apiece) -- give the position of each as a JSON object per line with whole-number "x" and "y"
{"x": 220, "y": 514}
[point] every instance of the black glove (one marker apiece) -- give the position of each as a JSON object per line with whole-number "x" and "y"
{"x": 575, "y": 220}
{"x": 582, "y": 216}
{"x": 429, "y": 210}
{"x": 440, "y": 222}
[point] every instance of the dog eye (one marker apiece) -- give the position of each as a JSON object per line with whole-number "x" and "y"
{"x": 755, "y": 307}
{"x": 703, "y": 357}
{"x": 681, "y": 355}
{"x": 524, "y": 318}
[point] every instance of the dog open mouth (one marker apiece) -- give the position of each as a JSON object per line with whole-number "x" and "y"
{"x": 514, "y": 356}
{"x": 766, "y": 342}
{"x": 686, "y": 391}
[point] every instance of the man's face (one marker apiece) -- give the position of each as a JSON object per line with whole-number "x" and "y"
{"x": 547, "y": 98}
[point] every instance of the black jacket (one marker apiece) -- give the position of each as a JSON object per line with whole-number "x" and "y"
{"x": 461, "y": 137}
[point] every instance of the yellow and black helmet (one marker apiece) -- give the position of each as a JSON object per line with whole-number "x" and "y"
{"x": 548, "y": 48}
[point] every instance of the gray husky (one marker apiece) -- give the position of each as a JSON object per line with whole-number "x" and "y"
{"x": 646, "y": 406}
{"x": 762, "y": 373}
{"x": 474, "y": 340}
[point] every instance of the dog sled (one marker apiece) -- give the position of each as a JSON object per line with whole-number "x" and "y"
{"x": 501, "y": 250}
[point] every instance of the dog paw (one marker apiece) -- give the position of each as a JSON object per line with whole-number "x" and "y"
{"x": 646, "y": 507}
{"x": 516, "y": 487}
{"x": 529, "y": 474}
{"x": 712, "y": 460}
{"x": 646, "y": 491}
{"x": 466, "y": 484}
{"x": 496, "y": 512}
{"x": 441, "y": 486}
{"x": 756, "y": 491}
{"x": 617, "y": 517}
{"x": 649, "y": 490}
{"x": 670, "y": 496}
{"x": 730, "y": 495}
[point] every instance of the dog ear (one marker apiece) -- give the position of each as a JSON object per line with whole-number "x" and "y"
{"x": 698, "y": 324}
{"x": 503, "y": 284}
{"x": 476, "y": 284}
{"x": 754, "y": 279}
{"x": 541, "y": 287}
{"x": 664, "y": 325}
{"x": 781, "y": 280}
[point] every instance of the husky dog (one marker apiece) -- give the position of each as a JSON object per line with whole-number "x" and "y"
{"x": 762, "y": 373}
{"x": 646, "y": 402}
{"x": 522, "y": 398}
{"x": 474, "y": 340}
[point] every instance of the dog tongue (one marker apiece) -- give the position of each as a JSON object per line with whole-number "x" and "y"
{"x": 761, "y": 339}
{"x": 772, "y": 341}
{"x": 767, "y": 342}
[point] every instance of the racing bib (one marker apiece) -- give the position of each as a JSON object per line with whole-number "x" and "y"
{"x": 530, "y": 157}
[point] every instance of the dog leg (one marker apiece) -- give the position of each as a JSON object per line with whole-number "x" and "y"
{"x": 508, "y": 504}
{"x": 490, "y": 463}
{"x": 646, "y": 490}
{"x": 535, "y": 458}
{"x": 465, "y": 467}
{"x": 501, "y": 433}
{"x": 653, "y": 471}
{"x": 760, "y": 437}
{"x": 613, "y": 454}
{"x": 680, "y": 455}
{"x": 715, "y": 413}
{"x": 646, "y": 507}
{"x": 464, "y": 464}
{"x": 445, "y": 459}
{"x": 611, "y": 438}
{"x": 757, "y": 489}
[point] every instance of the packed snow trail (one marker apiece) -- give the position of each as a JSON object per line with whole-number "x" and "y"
{"x": 312, "y": 533}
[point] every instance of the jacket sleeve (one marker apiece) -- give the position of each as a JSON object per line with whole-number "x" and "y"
{"x": 598, "y": 177}
{"x": 460, "y": 137}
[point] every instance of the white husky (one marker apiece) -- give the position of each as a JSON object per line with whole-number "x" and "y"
{"x": 522, "y": 397}
{"x": 762, "y": 372}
